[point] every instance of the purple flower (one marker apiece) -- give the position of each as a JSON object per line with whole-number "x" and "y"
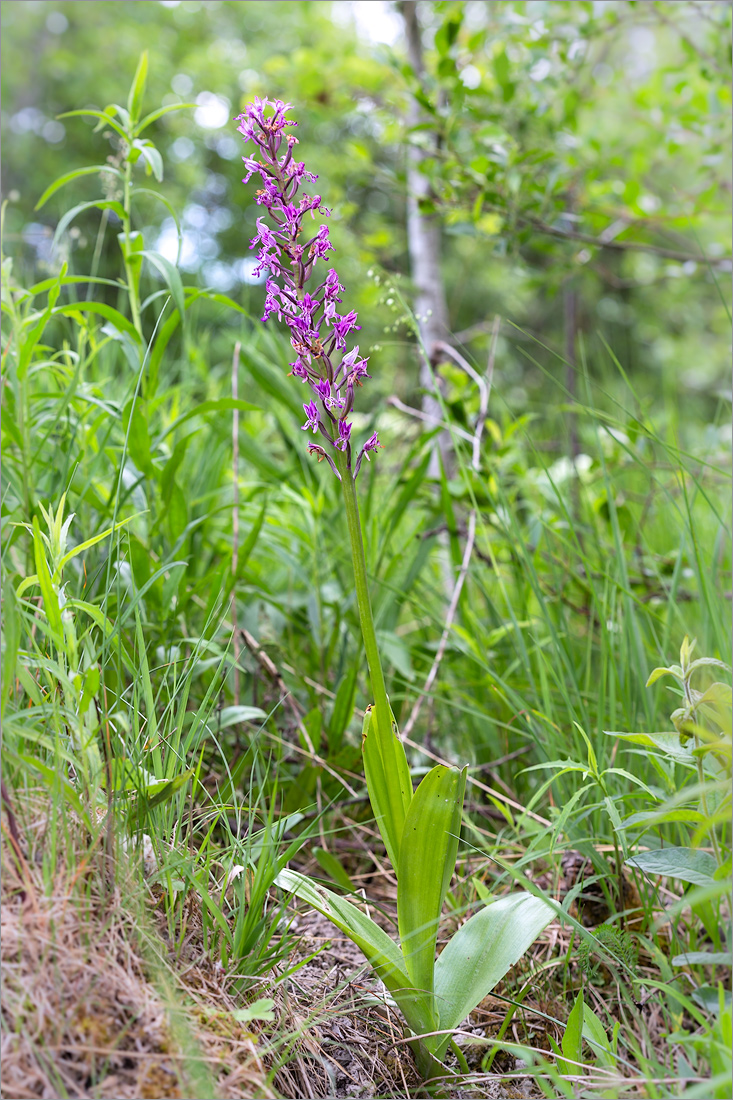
{"x": 332, "y": 286}
{"x": 342, "y": 326}
{"x": 353, "y": 367}
{"x": 312, "y": 421}
{"x": 371, "y": 445}
{"x": 320, "y": 245}
{"x": 323, "y": 389}
{"x": 264, "y": 235}
{"x": 289, "y": 256}
{"x": 344, "y": 432}
{"x": 299, "y": 370}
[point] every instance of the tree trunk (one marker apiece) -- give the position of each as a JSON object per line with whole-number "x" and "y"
{"x": 423, "y": 235}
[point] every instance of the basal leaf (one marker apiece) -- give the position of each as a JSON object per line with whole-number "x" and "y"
{"x": 380, "y": 951}
{"x": 482, "y": 951}
{"x": 428, "y": 852}
{"x": 388, "y": 782}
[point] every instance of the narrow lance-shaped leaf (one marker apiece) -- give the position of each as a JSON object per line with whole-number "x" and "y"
{"x": 49, "y": 594}
{"x": 100, "y": 204}
{"x": 137, "y": 87}
{"x": 380, "y": 951}
{"x": 118, "y": 320}
{"x": 89, "y": 170}
{"x": 105, "y": 119}
{"x": 388, "y": 782}
{"x": 427, "y": 860}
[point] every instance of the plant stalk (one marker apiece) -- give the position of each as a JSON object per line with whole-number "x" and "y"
{"x": 351, "y": 504}
{"x": 127, "y": 226}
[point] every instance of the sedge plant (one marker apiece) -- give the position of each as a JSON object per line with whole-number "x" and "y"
{"x": 420, "y": 830}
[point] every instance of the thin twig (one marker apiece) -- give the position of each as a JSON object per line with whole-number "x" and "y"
{"x": 267, "y": 664}
{"x": 484, "y": 386}
{"x": 408, "y": 409}
{"x": 235, "y": 514}
{"x": 491, "y": 791}
{"x": 622, "y": 246}
{"x": 414, "y": 714}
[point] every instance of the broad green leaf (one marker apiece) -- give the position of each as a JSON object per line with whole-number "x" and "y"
{"x": 595, "y": 1035}
{"x": 703, "y": 958}
{"x": 90, "y": 170}
{"x": 657, "y": 673}
{"x": 572, "y": 1040}
{"x": 232, "y": 716}
{"x": 124, "y": 114}
{"x": 668, "y": 743}
{"x": 428, "y": 852}
{"x": 261, "y": 1009}
{"x": 151, "y": 156}
{"x": 684, "y": 864}
{"x": 482, "y": 951}
{"x": 709, "y": 998}
{"x": 661, "y": 817}
{"x": 380, "y": 951}
{"x": 388, "y": 782}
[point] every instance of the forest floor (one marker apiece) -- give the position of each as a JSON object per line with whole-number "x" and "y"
{"x": 99, "y": 1002}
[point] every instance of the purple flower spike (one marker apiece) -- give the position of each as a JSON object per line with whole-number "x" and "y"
{"x": 312, "y": 421}
{"x": 289, "y": 254}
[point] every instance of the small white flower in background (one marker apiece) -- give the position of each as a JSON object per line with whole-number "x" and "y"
{"x": 144, "y": 844}
{"x": 234, "y": 874}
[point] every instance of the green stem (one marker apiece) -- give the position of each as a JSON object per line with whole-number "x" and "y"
{"x": 134, "y": 304}
{"x": 351, "y": 504}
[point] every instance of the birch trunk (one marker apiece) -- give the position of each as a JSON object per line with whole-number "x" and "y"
{"x": 423, "y": 235}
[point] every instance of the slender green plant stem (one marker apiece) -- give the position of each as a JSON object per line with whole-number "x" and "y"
{"x": 351, "y": 504}
{"x": 134, "y": 304}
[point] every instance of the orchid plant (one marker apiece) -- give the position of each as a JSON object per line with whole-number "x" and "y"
{"x": 420, "y": 830}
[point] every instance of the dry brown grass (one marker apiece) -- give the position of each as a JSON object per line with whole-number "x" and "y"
{"x": 85, "y": 1014}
